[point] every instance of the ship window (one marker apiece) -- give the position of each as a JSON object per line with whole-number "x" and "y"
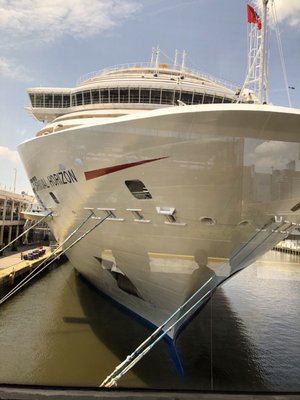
{"x": 145, "y": 95}
{"x": 155, "y": 96}
{"x": 31, "y": 96}
{"x": 105, "y": 96}
{"x": 57, "y": 100}
{"x": 218, "y": 99}
{"x": 167, "y": 97}
{"x": 78, "y": 99}
{"x": 186, "y": 97}
{"x": 208, "y": 99}
{"x": 48, "y": 100}
{"x": 66, "y": 100}
{"x": 124, "y": 95}
{"x": 54, "y": 197}
{"x": 177, "y": 96}
{"x": 134, "y": 95}
{"x": 138, "y": 189}
{"x": 114, "y": 97}
{"x": 73, "y": 100}
{"x": 198, "y": 98}
{"x": 39, "y": 100}
{"x": 95, "y": 96}
{"x": 227, "y": 100}
{"x": 87, "y": 97}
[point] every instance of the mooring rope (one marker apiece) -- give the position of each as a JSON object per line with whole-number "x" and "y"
{"x": 38, "y": 270}
{"x": 149, "y": 343}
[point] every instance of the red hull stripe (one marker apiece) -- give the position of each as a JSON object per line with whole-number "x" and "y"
{"x": 109, "y": 170}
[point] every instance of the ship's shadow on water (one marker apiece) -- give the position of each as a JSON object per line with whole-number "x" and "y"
{"x": 213, "y": 350}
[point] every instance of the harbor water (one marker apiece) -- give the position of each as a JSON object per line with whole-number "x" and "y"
{"x": 60, "y": 331}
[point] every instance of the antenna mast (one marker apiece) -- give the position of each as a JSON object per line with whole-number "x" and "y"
{"x": 183, "y": 60}
{"x": 256, "y": 79}
{"x": 263, "y": 82}
{"x": 175, "y": 58}
{"x": 152, "y": 57}
{"x": 157, "y": 57}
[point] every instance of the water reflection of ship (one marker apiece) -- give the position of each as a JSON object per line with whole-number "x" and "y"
{"x": 214, "y": 350}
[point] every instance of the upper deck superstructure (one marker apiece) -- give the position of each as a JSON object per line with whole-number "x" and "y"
{"x": 129, "y": 88}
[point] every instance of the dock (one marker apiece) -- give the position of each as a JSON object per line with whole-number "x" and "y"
{"x": 11, "y": 221}
{"x": 45, "y": 393}
{"x": 14, "y": 266}
{"x": 288, "y": 246}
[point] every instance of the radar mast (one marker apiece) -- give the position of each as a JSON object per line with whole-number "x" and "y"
{"x": 256, "y": 79}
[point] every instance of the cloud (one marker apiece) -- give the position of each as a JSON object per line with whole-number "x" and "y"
{"x": 49, "y": 19}
{"x": 272, "y": 154}
{"x": 10, "y": 155}
{"x": 286, "y": 11}
{"x": 272, "y": 148}
{"x": 9, "y": 69}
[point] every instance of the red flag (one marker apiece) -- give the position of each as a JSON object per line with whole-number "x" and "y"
{"x": 253, "y": 17}
{"x": 258, "y": 23}
{"x": 251, "y": 14}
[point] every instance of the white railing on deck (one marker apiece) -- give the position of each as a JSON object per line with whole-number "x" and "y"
{"x": 147, "y": 65}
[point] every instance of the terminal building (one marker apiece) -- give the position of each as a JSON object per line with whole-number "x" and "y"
{"x": 11, "y": 223}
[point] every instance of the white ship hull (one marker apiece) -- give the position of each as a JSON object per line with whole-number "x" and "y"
{"x": 217, "y": 202}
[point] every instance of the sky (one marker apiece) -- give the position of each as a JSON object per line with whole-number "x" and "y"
{"x": 54, "y": 43}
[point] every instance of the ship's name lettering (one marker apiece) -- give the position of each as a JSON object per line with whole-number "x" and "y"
{"x": 55, "y": 179}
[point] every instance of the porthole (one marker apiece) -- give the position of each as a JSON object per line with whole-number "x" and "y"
{"x": 54, "y": 197}
{"x": 296, "y": 207}
{"x": 207, "y": 221}
{"x": 245, "y": 222}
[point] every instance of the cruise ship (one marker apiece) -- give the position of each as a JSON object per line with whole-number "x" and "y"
{"x": 192, "y": 180}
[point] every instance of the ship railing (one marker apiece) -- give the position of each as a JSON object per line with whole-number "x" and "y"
{"x": 147, "y": 65}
